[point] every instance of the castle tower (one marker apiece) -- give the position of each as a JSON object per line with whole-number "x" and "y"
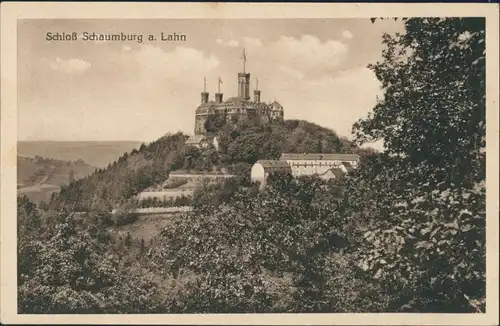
{"x": 204, "y": 94}
{"x": 244, "y": 81}
{"x": 244, "y": 85}
{"x": 256, "y": 92}
{"x": 218, "y": 95}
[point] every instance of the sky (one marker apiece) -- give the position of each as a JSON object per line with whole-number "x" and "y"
{"x": 114, "y": 90}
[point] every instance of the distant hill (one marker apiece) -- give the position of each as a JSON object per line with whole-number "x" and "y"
{"x": 240, "y": 146}
{"x": 38, "y": 177}
{"x": 95, "y": 153}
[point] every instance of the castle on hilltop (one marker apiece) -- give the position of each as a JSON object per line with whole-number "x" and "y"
{"x": 236, "y": 108}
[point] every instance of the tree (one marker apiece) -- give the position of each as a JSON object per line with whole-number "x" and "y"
{"x": 433, "y": 108}
{"x": 28, "y": 216}
{"x": 420, "y": 206}
{"x": 191, "y": 157}
{"x": 128, "y": 240}
{"x": 69, "y": 270}
{"x": 124, "y": 178}
{"x": 258, "y": 252}
{"x": 214, "y": 122}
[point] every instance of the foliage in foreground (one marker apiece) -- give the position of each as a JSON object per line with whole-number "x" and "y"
{"x": 67, "y": 265}
{"x": 422, "y": 204}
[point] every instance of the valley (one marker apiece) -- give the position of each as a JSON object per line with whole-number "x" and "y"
{"x": 95, "y": 153}
{"x": 38, "y": 178}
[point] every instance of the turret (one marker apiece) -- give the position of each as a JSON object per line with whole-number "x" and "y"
{"x": 256, "y": 96}
{"x": 204, "y": 94}
{"x": 218, "y": 95}
{"x": 204, "y": 97}
{"x": 256, "y": 92}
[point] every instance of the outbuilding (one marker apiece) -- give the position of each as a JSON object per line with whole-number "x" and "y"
{"x": 332, "y": 173}
{"x": 262, "y": 169}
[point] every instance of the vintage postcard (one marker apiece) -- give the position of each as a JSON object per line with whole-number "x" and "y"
{"x": 249, "y": 164}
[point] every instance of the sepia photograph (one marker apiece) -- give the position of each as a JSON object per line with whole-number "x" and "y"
{"x": 226, "y": 165}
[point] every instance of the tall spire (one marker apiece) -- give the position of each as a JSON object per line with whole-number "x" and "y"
{"x": 205, "y": 84}
{"x": 244, "y": 57}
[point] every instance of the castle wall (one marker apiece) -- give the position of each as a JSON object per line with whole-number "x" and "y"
{"x": 199, "y": 124}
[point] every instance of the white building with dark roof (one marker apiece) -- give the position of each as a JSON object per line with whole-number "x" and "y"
{"x": 325, "y": 166}
{"x": 319, "y": 163}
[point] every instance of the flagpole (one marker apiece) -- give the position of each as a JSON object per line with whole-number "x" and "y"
{"x": 244, "y": 60}
{"x": 218, "y": 86}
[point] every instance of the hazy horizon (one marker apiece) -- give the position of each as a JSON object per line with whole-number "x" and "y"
{"x": 79, "y": 141}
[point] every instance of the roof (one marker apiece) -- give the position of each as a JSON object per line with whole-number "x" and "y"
{"x": 276, "y": 164}
{"x": 348, "y": 166}
{"x": 196, "y": 139}
{"x": 276, "y": 102}
{"x": 320, "y": 156}
{"x": 335, "y": 171}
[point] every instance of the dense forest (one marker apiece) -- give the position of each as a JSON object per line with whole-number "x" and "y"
{"x": 405, "y": 232}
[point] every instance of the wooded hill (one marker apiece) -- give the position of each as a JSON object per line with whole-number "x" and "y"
{"x": 241, "y": 145}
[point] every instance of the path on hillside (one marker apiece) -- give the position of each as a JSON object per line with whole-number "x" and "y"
{"x": 45, "y": 178}
{"x": 40, "y": 185}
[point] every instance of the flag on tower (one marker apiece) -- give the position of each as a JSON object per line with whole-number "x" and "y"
{"x": 244, "y": 57}
{"x": 218, "y": 84}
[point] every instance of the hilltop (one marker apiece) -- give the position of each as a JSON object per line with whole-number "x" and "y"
{"x": 241, "y": 145}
